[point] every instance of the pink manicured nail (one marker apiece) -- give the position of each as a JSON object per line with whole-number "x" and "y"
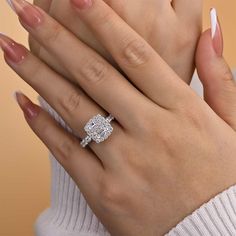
{"x": 216, "y": 33}
{"x": 29, "y": 108}
{"x": 12, "y": 50}
{"x": 28, "y": 13}
{"x": 82, "y": 4}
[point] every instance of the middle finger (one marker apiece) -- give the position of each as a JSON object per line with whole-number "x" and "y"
{"x": 140, "y": 62}
{"x": 96, "y": 76}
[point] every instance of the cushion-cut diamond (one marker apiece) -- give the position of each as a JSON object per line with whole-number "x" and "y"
{"x": 98, "y": 128}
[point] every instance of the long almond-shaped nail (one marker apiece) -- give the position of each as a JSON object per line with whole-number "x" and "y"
{"x": 13, "y": 51}
{"x": 30, "y": 109}
{"x": 28, "y": 13}
{"x": 216, "y": 33}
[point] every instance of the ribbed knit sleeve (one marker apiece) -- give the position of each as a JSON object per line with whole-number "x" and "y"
{"x": 214, "y": 218}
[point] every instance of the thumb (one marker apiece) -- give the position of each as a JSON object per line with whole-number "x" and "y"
{"x": 215, "y": 74}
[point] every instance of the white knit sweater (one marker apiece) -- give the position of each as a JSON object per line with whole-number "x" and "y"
{"x": 69, "y": 214}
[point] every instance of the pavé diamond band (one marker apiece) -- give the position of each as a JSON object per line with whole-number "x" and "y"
{"x": 98, "y": 129}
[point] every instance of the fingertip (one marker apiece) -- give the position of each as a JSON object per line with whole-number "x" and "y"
{"x": 21, "y": 99}
{"x": 30, "y": 109}
{"x": 14, "y": 52}
{"x": 16, "y": 94}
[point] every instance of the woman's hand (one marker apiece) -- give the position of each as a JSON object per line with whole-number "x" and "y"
{"x": 169, "y": 152}
{"x": 172, "y": 28}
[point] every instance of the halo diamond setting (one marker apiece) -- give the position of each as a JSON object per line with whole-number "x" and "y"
{"x": 98, "y": 129}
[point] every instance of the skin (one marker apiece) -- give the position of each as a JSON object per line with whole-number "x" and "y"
{"x": 216, "y": 79}
{"x": 179, "y": 38}
{"x": 164, "y": 136}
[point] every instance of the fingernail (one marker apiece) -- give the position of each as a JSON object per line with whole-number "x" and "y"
{"x": 82, "y": 4}
{"x": 216, "y": 33}
{"x": 28, "y": 13}
{"x": 13, "y": 51}
{"x": 30, "y": 109}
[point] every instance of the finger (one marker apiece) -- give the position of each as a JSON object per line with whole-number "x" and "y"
{"x": 45, "y": 5}
{"x": 95, "y": 76}
{"x": 50, "y": 7}
{"x": 136, "y": 58}
{"x": 61, "y": 11}
{"x": 74, "y": 106}
{"x": 80, "y": 163}
{"x": 219, "y": 85}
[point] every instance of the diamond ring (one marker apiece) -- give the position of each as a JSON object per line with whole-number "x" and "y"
{"x": 98, "y": 129}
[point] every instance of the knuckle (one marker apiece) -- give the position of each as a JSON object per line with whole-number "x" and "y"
{"x": 65, "y": 150}
{"x": 185, "y": 42}
{"x": 227, "y": 74}
{"x": 94, "y": 70}
{"x": 103, "y": 18}
{"x": 194, "y": 116}
{"x": 184, "y": 45}
{"x": 136, "y": 53}
{"x": 63, "y": 147}
{"x": 45, "y": 129}
{"x": 34, "y": 69}
{"x": 146, "y": 122}
{"x": 107, "y": 192}
{"x": 52, "y": 35}
{"x": 71, "y": 101}
{"x": 110, "y": 194}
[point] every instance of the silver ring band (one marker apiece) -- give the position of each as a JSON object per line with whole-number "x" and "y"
{"x": 98, "y": 129}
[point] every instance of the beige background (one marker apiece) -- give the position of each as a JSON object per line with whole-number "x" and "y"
{"x": 24, "y": 166}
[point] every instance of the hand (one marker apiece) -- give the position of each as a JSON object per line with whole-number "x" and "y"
{"x": 166, "y": 143}
{"x": 172, "y": 28}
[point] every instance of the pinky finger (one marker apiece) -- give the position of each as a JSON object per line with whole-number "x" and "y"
{"x": 81, "y": 164}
